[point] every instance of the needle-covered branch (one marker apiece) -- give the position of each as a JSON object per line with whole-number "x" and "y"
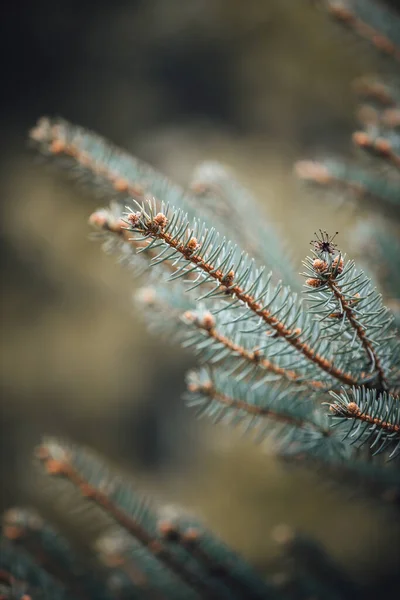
{"x": 165, "y": 563}
{"x": 352, "y": 315}
{"x": 53, "y": 553}
{"x": 370, "y": 418}
{"x": 225, "y": 343}
{"x": 370, "y": 20}
{"x": 198, "y": 249}
{"x": 291, "y": 421}
{"x": 22, "y": 579}
{"x": 344, "y": 177}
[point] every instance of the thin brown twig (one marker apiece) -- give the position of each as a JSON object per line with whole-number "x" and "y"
{"x": 359, "y": 329}
{"x": 56, "y": 140}
{"x": 252, "y": 356}
{"x": 209, "y": 390}
{"x": 353, "y": 411}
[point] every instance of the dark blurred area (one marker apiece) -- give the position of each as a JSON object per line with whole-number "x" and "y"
{"x": 253, "y": 84}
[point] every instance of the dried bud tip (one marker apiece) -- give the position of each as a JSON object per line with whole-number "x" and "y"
{"x": 160, "y": 220}
{"x": 57, "y": 146}
{"x": 227, "y": 280}
{"x": 167, "y": 529}
{"x": 121, "y": 185}
{"x": 338, "y": 264}
{"x": 134, "y": 219}
{"x": 313, "y": 171}
{"x": 208, "y": 322}
{"x": 352, "y": 408}
{"x": 146, "y": 295}
{"x": 320, "y": 265}
{"x": 360, "y": 138}
{"x": 192, "y": 245}
{"x": 314, "y": 282}
{"x": 98, "y": 219}
{"x": 189, "y": 316}
{"x": 191, "y": 535}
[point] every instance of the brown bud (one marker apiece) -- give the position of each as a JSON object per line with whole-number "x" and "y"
{"x": 160, "y": 220}
{"x": 337, "y": 264}
{"x": 208, "y": 322}
{"x": 191, "y": 535}
{"x": 340, "y": 12}
{"x": 121, "y": 184}
{"x": 168, "y": 529}
{"x": 193, "y": 387}
{"x": 133, "y": 219}
{"x": 192, "y": 245}
{"x": 98, "y": 219}
{"x": 189, "y": 316}
{"x": 320, "y": 265}
{"x": 227, "y": 279}
{"x": 314, "y": 171}
{"x": 360, "y": 138}
{"x": 352, "y": 408}
{"x": 57, "y": 146}
{"x": 314, "y": 282}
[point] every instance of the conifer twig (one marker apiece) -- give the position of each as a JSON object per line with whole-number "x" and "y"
{"x": 353, "y": 411}
{"x": 207, "y": 324}
{"x": 51, "y": 552}
{"x": 380, "y": 146}
{"x": 328, "y": 274}
{"x": 372, "y": 418}
{"x": 155, "y": 226}
{"x": 208, "y": 389}
{"x": 345, "y": 11}
{"x": 61, "y": 466}
{"x": 348, "y": 178}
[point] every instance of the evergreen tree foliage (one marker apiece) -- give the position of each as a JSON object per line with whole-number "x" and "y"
{"x": 315, "y": 369}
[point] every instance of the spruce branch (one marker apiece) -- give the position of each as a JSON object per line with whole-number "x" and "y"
{"x": 350, "y": 309}
{"x": 58, "y": 462}
{"x": 373, "y": 90}
{"x": 104, "y": 166}
{"x": 165, "y": 563}
{"x": 22, "y": 579}
{"x": 206, "y": 324}
{"x": 370, "y": 20}
{"x": 112, "y": 172}
{"x": 174, "y": 235}
{"x": 344, "y": 176}
{"x": 53, "y": 553}
{"x": 132, "y": 571}
{"x": 386, "y": 147}
{"x": 373, "y": 418}
{"x": 289, "y": 420}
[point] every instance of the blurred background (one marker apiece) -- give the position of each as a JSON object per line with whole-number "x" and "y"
{"x": 253, "y": 84}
